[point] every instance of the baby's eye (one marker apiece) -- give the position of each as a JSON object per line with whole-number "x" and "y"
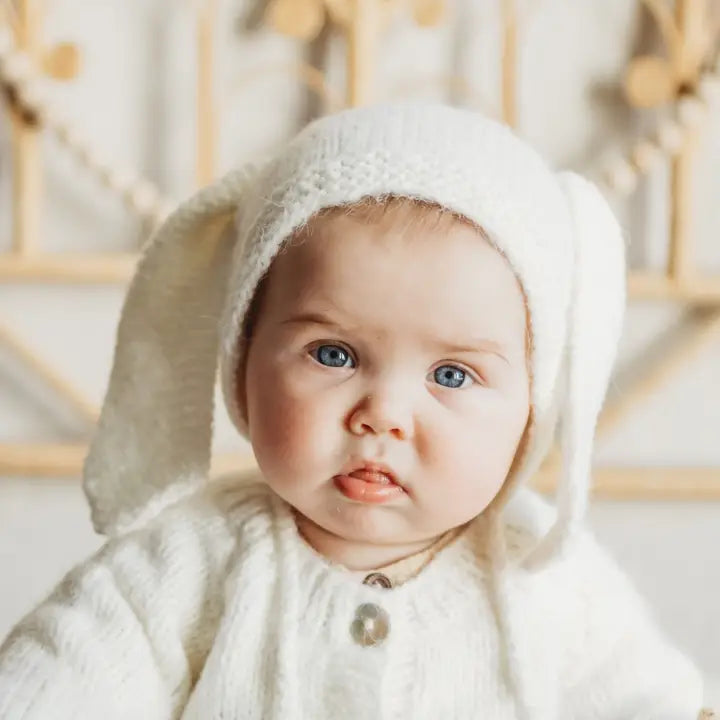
{"x": 451, "y": 376}
{"x": 332, "y": 356}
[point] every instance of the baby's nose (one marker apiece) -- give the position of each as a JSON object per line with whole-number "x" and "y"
{"x": 378, "y": 414}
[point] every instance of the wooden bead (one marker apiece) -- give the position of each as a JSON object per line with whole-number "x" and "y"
{"x": 691, "y": 111}
{"x": 32, "y": 97}
{"x": 121, "y": 180}
{"x": 645, "y": 154}
{"x": 649, "y": 81}
{"x": 302, "y": 19}
{"x": 670, "y": 136}
{"x": 84, "y": 153}
{"x": 428, "y": 13}
{"x": 709, "y": 86}
{"x": 68, "y": 135}
{"x": 144, "y": 197}
{"x": 62, "y": 62}
{"x": 622, "y": 177}
{"x": 15, "y": 68}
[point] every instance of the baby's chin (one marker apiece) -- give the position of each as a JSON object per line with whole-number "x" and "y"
{"x": 326, "y": 511}
{"x": 366, "y": 523}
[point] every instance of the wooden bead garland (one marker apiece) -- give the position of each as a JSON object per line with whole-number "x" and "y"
{"x": 17, "y": 73}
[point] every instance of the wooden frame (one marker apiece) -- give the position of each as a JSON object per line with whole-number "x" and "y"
{"x": 362, "y": 23}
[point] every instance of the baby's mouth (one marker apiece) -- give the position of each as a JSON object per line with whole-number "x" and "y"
{"x": 373, "y": 476}
{"x": 368, "y": 485}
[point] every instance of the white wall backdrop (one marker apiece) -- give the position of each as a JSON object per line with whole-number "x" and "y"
{"x": 134, "y": 98}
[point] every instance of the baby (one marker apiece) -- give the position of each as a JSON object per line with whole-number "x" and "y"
{"x": 403, "y": 302}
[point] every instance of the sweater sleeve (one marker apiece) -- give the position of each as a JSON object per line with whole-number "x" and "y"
{"x": 126, "y": 633}
{"x": 623, "y": 667}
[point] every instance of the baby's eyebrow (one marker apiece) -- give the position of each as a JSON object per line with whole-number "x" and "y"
{"x": 483, "y": 345}
{"x": 309, "y": 317}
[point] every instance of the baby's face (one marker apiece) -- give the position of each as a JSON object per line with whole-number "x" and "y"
{"x": 406, "y": 349}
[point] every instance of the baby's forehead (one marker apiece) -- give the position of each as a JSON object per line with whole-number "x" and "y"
{"x": 406, "y": 215}
{"x": 396, "y": 240}
{"x": 374, "y": 256}
{"x": 403, "y": 232}
{"x": 388, "y": 245}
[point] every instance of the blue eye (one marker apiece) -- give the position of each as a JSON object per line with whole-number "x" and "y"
{"x": 332, "y": 356}
{"x": 450, "y": 376}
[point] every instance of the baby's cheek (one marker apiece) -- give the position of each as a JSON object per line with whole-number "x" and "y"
{"x": 279, "y": 429}
{"x": 292, "y": 433}
{"x": 472, "y": 457}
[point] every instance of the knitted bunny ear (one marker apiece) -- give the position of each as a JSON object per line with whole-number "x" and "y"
{"x": 594, "y": 327}
{"x": 152, "y": 445}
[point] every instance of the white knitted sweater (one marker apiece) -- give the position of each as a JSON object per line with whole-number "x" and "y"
{"x": 218, "y": 609}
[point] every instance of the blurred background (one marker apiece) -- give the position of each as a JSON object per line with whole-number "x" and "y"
{"x": 113, "y": 110}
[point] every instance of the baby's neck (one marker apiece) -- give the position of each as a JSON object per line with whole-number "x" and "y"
{"x": 353, "y": 554}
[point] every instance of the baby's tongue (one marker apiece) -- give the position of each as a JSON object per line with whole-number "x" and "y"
{"x": 372, "y": 476}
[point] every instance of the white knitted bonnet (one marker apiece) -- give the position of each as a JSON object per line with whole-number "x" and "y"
{"x": 186, "y": 305}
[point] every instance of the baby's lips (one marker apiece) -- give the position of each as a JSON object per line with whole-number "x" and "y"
{"x": 373, "y": 476}
{"x": 356, "y": 486}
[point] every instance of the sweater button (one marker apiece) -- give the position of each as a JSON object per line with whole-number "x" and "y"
{"x": 370, "y": 626}
{"x": 379, "y": 580}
